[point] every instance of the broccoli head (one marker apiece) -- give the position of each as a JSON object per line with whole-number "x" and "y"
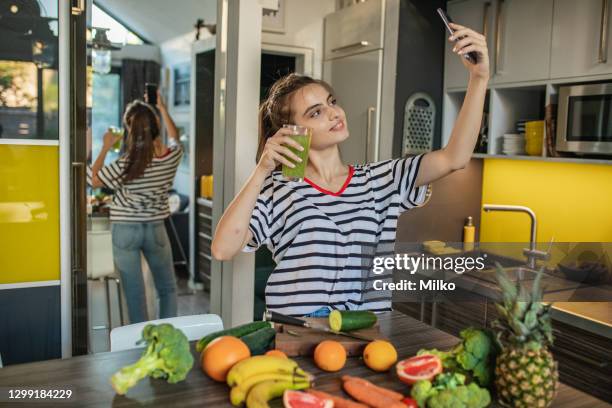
{"x": 474, "y": 354}
{"x": 463, "y": 396}
{"x": 421, "y": 391}
{"x": 167, "y": 355}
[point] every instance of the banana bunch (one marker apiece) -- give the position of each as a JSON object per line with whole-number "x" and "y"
{"x": 259, "y": 379}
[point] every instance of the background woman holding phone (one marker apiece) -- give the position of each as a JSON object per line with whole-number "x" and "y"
{"x": 141, "y": 178}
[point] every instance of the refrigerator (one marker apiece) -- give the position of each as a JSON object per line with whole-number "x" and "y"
{"x": 360, "y": 44}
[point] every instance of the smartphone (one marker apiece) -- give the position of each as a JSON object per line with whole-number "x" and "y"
{"x": 151, "y": 90}
{"x": 471, "y": 56}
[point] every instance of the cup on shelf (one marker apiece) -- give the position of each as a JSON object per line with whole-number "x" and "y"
{"x": 534, "y": 137}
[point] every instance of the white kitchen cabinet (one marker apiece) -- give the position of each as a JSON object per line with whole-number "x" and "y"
{"x": 581, "y": 44}
{"x": 521, "y": 42}
{"x": 476, "y": 14}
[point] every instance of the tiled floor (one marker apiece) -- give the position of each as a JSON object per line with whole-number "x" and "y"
{"x": 189, "y": 303}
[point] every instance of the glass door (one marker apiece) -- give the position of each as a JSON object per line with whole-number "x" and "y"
{"x": 30, "y": 269}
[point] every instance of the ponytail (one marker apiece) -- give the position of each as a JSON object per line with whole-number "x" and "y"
{"x": 143, "y": 128}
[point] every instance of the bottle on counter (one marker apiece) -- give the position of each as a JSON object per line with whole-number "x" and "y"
{"x": 469, "y": 234}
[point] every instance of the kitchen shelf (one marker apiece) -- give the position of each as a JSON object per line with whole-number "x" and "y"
{"x": 204, "y": 201}
{"x": 204, "y": 241}
{"x": 542, "y": 158}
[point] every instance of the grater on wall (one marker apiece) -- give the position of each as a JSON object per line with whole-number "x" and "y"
{"x": 419, "y": 122}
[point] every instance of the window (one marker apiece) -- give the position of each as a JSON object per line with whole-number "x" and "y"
{"x": 105, "y": 109}
{"x": 29, "y": 98}
{"x": 117, "y": 33}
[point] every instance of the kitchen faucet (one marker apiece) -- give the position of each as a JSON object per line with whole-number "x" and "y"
{"x": 531, "y": 253}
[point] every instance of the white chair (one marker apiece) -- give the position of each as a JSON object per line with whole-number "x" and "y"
{"x": 195, "y": 327}
{"x": 102, "y": 268}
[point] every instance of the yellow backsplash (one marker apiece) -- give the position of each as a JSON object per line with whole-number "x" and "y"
{"x": 29, "y": 213}
{"x": 572, "y": 201}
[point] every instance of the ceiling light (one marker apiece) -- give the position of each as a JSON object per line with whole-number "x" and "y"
{"x": 101, "y": 54}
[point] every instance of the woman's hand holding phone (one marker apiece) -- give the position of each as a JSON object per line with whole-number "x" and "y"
{"x": 161, "y": 105}
{"x": 276, "y": 152}
{"x": 471, "y": 41}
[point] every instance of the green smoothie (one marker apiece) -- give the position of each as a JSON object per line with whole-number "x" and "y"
{"x": 297, "y": 173}
{"x": 117, "y": 132}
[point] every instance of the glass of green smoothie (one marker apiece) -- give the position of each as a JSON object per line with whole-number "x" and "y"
{"x": 302, "y": 135}
{"x": 117, "y": 131}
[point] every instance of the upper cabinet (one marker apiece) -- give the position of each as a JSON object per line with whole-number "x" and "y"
{"x": 476, "y": 14}
{"x": 581, "y": 44}
{"x": 520, "y": 50}
{"x": 535, "y": 40}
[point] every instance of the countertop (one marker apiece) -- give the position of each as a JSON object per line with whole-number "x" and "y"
{"x": 585, "y": 306}
{"x": 578, "y": 311}
{"x": 87, "y": 376}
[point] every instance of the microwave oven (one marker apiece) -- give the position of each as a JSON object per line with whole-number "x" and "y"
{"x": 584, "y": 120}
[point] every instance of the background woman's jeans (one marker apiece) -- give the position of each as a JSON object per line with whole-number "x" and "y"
{"x": 150, "y": 238}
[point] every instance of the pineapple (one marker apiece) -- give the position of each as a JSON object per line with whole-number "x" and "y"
{"x": 526, "y": 374}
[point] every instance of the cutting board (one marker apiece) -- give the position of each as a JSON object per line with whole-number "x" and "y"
{"x": 302, "y": 341}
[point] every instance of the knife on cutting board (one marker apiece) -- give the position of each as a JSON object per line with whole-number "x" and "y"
{"x": 276, "y": 317}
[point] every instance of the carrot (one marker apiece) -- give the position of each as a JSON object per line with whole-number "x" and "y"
{"x": 370, "y": 396}
{"x": 338, "y": 401}
{"x": 365, "y": 383}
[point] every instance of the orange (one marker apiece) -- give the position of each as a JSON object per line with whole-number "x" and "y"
{"x": 380, "y": 355}
{"x": 276, "y": 353}
{"x": 329, "y": 355}
{"x": 221, "y": 354}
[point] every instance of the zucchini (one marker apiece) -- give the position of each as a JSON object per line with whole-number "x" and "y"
{"x": 237, "y": 331}
{"x": 260, "y": 341}
{"x": 349, "y": 320}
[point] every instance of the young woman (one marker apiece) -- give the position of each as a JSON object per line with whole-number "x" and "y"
{"x": 141, "y": 179}
{"x": 320, "y": 231}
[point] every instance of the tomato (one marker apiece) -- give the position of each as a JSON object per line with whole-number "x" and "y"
{"x": 410, "y": 403}
{"x": 423, "y": 367}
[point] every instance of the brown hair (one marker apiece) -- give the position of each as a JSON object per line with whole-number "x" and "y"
{"x": 275, "y": 110}
{"x": 143, "y": 128}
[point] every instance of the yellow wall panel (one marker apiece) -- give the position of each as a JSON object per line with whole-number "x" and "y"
{"x": 572, "y": 201}
{"x": 29, "y": 213}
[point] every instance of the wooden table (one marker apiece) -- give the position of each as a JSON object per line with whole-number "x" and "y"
{"x": 88, "y": 376}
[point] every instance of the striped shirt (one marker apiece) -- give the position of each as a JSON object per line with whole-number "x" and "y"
{"x": 144, "y": 198}
{"x": 323, "y": 242}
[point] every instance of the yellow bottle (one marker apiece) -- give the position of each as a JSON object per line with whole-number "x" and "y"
{"x": 469, "y": 234}
{"x": 206, "y": 186}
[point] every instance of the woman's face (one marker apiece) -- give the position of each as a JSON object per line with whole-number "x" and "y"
{"x": 314, "y": 107}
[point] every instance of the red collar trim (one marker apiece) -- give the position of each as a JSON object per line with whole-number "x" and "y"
{"x": 168, "y": 151}
{"x": 344, "y": 186}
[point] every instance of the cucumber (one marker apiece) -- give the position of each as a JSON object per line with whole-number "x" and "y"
{"x": 259, "y": 341}
{"x": 351, "y": 320}
{"x": 237, "y": 331}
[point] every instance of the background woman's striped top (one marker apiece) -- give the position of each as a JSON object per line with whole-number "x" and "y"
{"x": 144, "y": 198}
{"x": 323, "y": 242}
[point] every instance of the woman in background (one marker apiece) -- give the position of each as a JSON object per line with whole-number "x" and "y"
{"x": 141, "y": 178}
{"x": 321, "y": 230}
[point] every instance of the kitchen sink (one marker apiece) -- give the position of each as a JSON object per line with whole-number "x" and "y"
{"x": 515, "y": 273}
{"x": 491, "y": 259}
